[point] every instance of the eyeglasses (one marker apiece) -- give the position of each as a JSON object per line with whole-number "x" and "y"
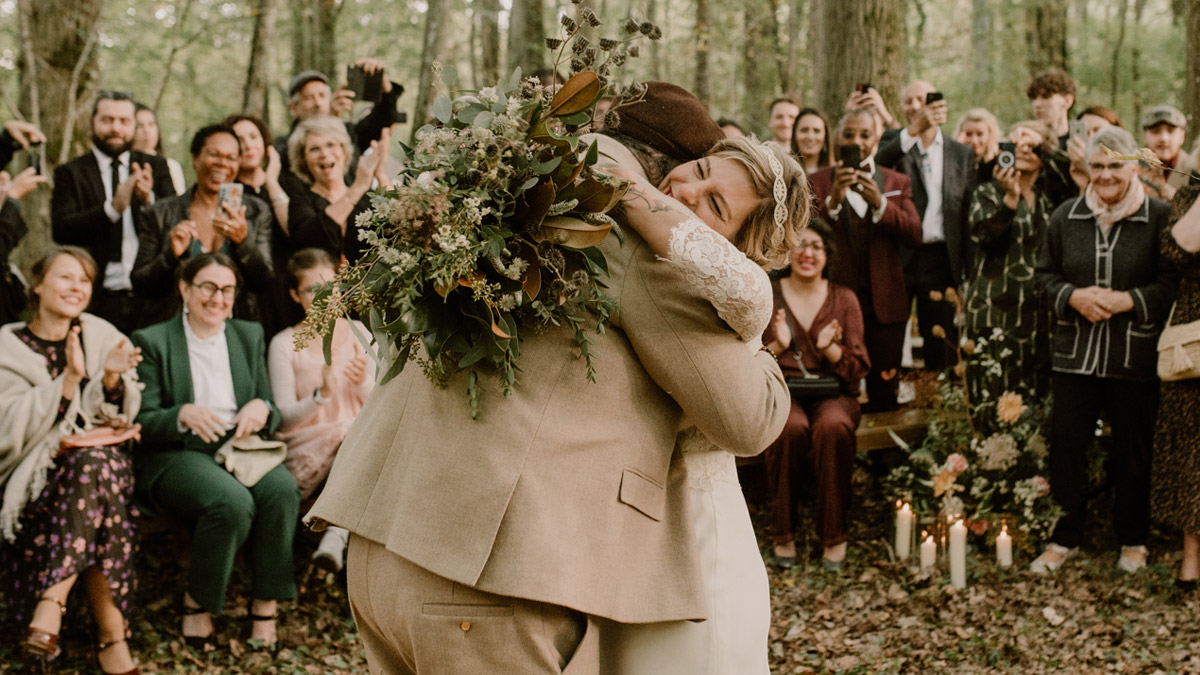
{"x": 208, "y": 289}
{"x": 814, "y": 246}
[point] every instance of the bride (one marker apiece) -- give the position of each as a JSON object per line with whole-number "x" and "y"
{"x": 721, "y": 219}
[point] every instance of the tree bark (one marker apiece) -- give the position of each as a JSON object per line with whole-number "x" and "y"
{"x": 1047, "y": 35}
{"x": 760, "y": 54}
{"x": 981, "y": 44}
{"x": 1115, "y": 69}
{"x": 857, "y": 42}
{"x": 58, "y": 78}
{"x": 489, "y": 41}
{"x": 262, "y": 47}
{"x": 431, "y": 50}
{"x": 1135, "y": 58}
{"x": 702, "y": 35}
{"x": 790, "y": 78}
{"x": 1191, "y": 90}
{"x": 327, "y": 56}
{"x": 526, "y": 37}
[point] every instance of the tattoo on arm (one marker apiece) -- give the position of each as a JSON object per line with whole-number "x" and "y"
{"x": 653, "y": 205}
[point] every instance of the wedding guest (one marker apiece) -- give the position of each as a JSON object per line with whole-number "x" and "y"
{"x": 261, "y": 174}
{"x": 943, "y": 174}
{"x": 1176, "y": 469}
{"x": 1008, "y": 218}
{"x": 317, "y": 401}
{"x": 980, "y": 130}
{"x": 1096, "y": 117}
{"x": 67, "y": 514}
{"x": 781, "y": 116}
{"x": 1163, "y": 131}
{"x": 325, "y": 215}
{"x": 817, "y": 329}
{"x": 730, "y": 127}
{"x": 205, "y": 384}
{"x": 97, "y": 204}
{"x": 872, "y": 214}
{"x": 12, "y": 230}
{"x": 1052, "y": 94}
{"x": 812, "y": 143}
{"x": 147, "y": 140}
{"x": 178, "y": 228}
{"x": 1101, "y": 275}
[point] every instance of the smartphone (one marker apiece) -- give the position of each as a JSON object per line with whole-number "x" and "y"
{"x": 933, "y": 97}
{"x": 366, "y": 87}
{"x": 231, "y": 193}
{"x": 850, "y": 155}
{"x": 1077, "y": 128}
{"x": 862, "y": 88}
{"x": 35, "y": 157}
{"x": 1007, "y": 158}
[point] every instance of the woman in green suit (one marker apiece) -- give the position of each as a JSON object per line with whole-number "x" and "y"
{"x": 205, "y": 378}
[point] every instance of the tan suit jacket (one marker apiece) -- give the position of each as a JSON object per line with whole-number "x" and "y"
{"x": 569, "y": 492}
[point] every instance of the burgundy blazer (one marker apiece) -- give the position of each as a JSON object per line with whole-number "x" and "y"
{"x": 900, "y": 226}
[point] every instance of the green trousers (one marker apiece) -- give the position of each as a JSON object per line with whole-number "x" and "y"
{"x": 224, "y": 514}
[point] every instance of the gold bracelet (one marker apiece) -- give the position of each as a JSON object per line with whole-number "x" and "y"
{"x": 767, "y": 349}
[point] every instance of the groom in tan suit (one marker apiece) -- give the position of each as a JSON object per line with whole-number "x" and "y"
{"x": 498, "y": 545}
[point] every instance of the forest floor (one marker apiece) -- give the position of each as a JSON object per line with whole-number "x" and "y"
{"x": 875, "y": 616}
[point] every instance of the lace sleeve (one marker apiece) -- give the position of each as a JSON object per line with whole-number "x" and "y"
{"x": 738, "y": 288}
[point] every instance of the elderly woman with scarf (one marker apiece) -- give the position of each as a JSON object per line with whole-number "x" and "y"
{"x": 1109, "y": 290}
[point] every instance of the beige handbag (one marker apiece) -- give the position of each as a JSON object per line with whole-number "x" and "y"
{"x": 1179, "y": 350}
{"x": 250, "y": 458}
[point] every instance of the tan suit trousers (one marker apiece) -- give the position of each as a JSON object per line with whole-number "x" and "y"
{"x": 412, "y": 621}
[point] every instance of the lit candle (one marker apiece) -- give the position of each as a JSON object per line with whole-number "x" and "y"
{"x": 1004, "y": 547}
{"x": 904, "y": 522}
{"x": 958, "y": 555}
{"x": 928, "y": 551}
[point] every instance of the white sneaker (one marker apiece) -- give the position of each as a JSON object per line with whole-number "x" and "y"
{"x": 1044, "y": 564}
{"x": 331, "y": 551}
{"x": 1129, "y": 563}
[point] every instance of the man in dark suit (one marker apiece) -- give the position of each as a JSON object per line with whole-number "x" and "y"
{"x": 943, "y": 178}
{"x": 872, "y": 214}
{"x": 96, "y": 198}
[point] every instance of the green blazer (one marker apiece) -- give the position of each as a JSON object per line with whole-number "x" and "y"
{"x": 166, "y": 375}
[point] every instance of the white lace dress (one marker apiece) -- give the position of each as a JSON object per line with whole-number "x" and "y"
{"x": 734, "y": 638}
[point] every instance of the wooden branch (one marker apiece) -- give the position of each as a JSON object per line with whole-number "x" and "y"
{"x": 175, "y": 47}
{"x": 12, "y": 108}
{"x": 76, "y": 72}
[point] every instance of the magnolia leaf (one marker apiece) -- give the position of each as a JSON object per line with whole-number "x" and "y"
{"x": 531, "y": 283}
{"x": 577, "y": 94}
{"x": 593, "y": 154}
{"x": 577, "y": 119}
{"x": 442, "y": 109}
{"x": 596, "y": 197}
{"x": 571, "y": 232}
{"x": 566, "y": 174}
{"x": 543, "y": 168}
{"x": 441, "y": 289}
{"x": 499, "y": 331}
{"x": 534, "y": 203}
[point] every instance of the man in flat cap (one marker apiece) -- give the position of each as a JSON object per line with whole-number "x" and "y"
{"x": 1163, "y": 129}
{"x": 309, "y": 95}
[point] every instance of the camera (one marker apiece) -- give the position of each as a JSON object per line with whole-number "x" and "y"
{"x": 35, "y": 157}
{"x": 1007, "y": 159}
{"x": 933, "y": 97}
{"x": 863, "y": 88}
{"x": 1077, "y": 128}
{"x": 366, "y": 87}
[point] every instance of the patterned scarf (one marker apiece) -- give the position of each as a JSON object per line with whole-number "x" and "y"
{"x": 1107, "y": 214}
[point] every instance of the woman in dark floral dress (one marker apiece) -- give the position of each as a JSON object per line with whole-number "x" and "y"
{"x": 1175, "y": 477}
{"x": 1007, "y": 218}
{"x": 66, "y": 515}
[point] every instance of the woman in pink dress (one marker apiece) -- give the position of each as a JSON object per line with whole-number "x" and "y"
{"x": 318, "y": 401}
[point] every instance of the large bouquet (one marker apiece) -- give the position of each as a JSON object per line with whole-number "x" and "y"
{"x": 493, "y": 230}
{"x": 984, "y": 460}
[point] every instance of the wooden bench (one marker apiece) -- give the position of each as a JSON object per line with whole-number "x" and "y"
{"x": 910, "y": 425}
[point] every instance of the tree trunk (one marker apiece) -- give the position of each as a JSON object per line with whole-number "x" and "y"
{"x": 489, "y": 41}
{"x": 790, "y": 78}
{"x": 1191, "y": 90}
{"x": 58, "y": 75}
{"x": 314, "y": 42}
{"x": 526, "y": 36}
{"x": 760, "y": 51}
{"x": 1114, "y": 71}
{"x": 1047, "y": 35}
{"x": 981, "y": 44}
{"x": 262, "y": 47}
{"x": 431, "y": 49}
{"x": 303, "y": 36}
{"x": 857, "y": 42}
{"x": 326, "y": 56}
{"x": 702, "y": 35}
{"x": 1135, "y": 58}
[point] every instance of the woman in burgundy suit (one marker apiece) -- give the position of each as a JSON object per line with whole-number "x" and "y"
{"x": 818, "y": 329}
{"x": 872, "y": 214}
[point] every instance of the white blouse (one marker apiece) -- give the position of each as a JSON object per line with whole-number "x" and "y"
{"x": 212, "y": 377}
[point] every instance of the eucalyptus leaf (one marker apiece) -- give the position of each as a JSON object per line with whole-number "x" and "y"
{"x": 442, "y": 109}
{"x": 450, "y": 75}
{"x": 483, "y": 119}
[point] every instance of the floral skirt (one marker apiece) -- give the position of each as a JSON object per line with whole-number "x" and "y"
{"x": 82, "y": 518}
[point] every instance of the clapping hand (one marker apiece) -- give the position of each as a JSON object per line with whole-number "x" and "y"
{"x": 143, "y": 186}
{"x": 783, "y": 331}
{"x": 76, "y": 371}
{"x": 381, "y": 173}
{"x": 356, "y": 370}
{"x": 120, "y": 359}
{"x": 251, "y": 418}
{"x": 274, "y": 165}
{"x": 831, "y": 333}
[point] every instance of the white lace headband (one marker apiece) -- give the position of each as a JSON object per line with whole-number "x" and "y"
{"x": 779, "y": 190}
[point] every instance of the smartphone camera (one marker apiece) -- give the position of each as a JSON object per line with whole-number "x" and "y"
{"x": 933, "y": 97}
{"x": 1007, "y": 159}
{"x": 863, "y": 88}
{"x": 35, "y": 157}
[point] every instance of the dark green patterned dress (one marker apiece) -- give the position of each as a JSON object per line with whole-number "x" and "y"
{"x": 1175, "y": 477}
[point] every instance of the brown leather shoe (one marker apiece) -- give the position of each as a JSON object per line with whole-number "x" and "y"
{"x": 39, "y": 642}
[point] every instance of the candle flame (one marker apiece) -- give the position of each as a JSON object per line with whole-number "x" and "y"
{"x": 899, "y": 502}
{"x": 906, "y": 507}
{"x": 1004, "y": 528}
{"x": 959, "y": 523}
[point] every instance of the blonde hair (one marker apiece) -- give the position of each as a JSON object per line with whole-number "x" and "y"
{"x": 993, "y": 126}
{"x": 759, "y": 237}
{"x": 324, "y": 125}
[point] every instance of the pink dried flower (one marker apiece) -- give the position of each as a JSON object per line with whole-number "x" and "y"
{"x": 957, "y": 463}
